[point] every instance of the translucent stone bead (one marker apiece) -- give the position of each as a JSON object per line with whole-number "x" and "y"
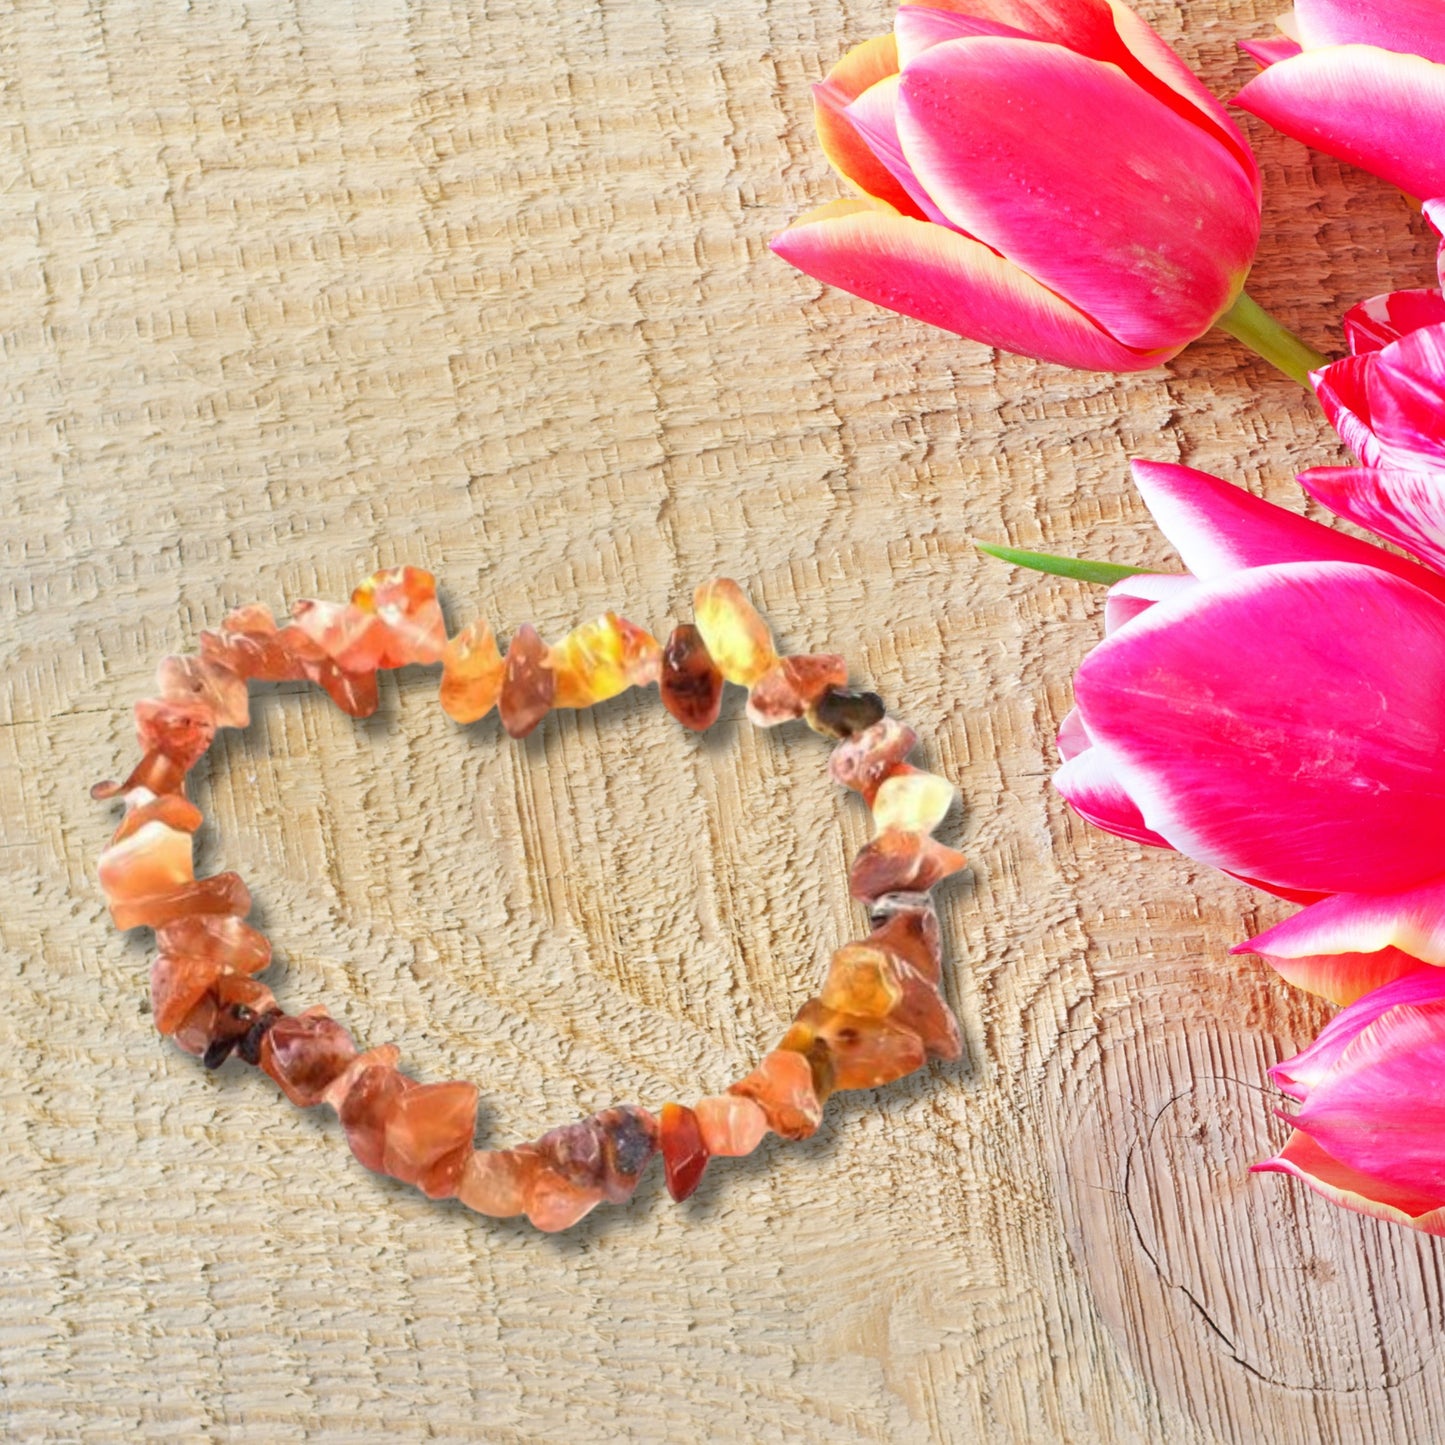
{"x": 528, "y": 683}
{"x": 581, "y": 1165}
{"x": 862, "y": 980}
{"x": 496, "y": 1182}
{"x": 907, "y": 925}
{"x": 629, "y": 1140}
{"x": 222, "y": 1018}
{"x": 863, "y": 1052}
{"x": 782, "y": 1087}
{"x": 305, "y": 1054}
{"x": 429, "y": 1136}
{"x": 574, "y": 1151}
{"x": 784, "y": 692}
{"x": 869, "y": 981}
{"x": 155, "y": 773}
{"x": 736, "y": 637}
{"x": 367, "y": 1107}
{"x": 252, "y": 646}
{"x": 353, "y": 692}
{"x": 354, "y": 640}
{"x": 863, "y": 762}
{"x": 684, "y": 1155}
{"x": 842, "y": 713}
{"x": 472, "y": 671}
{"x": 405, "y": 601}
{"x": 240, "y": 988}
{"x": 224, "y": 893}
{"x": 193, "y": 1034}
{"x": 602, "y": 658}
{"x": 210, "y": 683}
{"x": 912, "y": 801}
{"x": 228, "y": 942}
{"x": 383, "y": 1056}
{"x": 897, "y": 862}
{"x": 731, "y": 1126}
{"x": 689, "y": 683}
{"x": 607, "y": 1152}
{"x": 181, "y": 731}
{"x": 177, "y": 986}
{"x": 154, "y": 859}
{"x": 142, "y": 806}
{"x": 555, "y": 1203}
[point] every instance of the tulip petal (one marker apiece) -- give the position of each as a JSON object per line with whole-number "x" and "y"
{"x": 1218, "y": 528}
{"x": 1342, "y": 977}
{"x": 936, "y": 275}
{"x": 872, "y": 116}
{"x": 1435, "y": 214}
{"x": 1073, "y": 735}
{"x": 848, "y": 153}
{"x": 1271, "y": 50}
{"x": 1093, "y": 790}
{"x": 1406, "y": 388}
{"x": 1086, "y": 26}
{"x": 1309, "y": 1163}
{"x": 1406, "y": 508}
{"x": 1149, "y": 229}
{"x": 1308, "y": 1070}
{"x": 1350, "y": 943}
{"x": 919, "y": 27}
{"x": 1128, "y": 598}
{"x": 1343, "y": 397}
{"x": 1284, "y": 723}
{"x": 1383, "y": 319}
{"x": 1382, "y": 112}
{"x": 1104, "y": 30}
{"x": 1381, "y": 1108}
{"x": 1302, "y": 896}
{"x": 1415, "y": 27}
{"x": 1160, "y": 71}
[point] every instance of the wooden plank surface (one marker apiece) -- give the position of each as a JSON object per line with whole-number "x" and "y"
{"x": 291, "y": 290}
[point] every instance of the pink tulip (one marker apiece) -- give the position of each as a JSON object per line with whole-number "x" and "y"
{"x": 1387, "y": 398}
{"x": 1362, "y": 80}
{"x": 1045, "y": 176}
{"x": 1370, "y": 1129}
{"x": 1276, "y": 712}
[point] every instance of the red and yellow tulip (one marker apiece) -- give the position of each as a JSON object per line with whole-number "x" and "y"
{"x": 1045, "y": 176}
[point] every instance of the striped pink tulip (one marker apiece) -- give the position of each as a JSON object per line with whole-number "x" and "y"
{"x": 1387, "y": 398}
{"x": 1045, "y": 176}
{"x": 1370, "y": 1127}
{"x": 1362, "y": 80}
{"x": 1276, "y": 711}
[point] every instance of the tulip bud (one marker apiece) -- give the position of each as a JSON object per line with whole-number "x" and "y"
{"x": 982, "y": 212}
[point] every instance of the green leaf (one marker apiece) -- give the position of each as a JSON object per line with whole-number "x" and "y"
{"x": 1105, "y": 574}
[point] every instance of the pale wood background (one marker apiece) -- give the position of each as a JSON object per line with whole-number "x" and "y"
{"x": 290, "y": 290}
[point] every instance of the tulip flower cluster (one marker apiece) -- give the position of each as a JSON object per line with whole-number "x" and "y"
{"x": 1276, "y": 711}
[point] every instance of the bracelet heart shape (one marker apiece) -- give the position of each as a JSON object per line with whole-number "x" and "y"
{"x": 878, "y": 1015}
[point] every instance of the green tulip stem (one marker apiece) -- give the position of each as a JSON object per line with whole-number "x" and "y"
{"x": 1249, "y": 322}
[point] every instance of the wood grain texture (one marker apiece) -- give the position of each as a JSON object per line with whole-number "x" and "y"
{"x": 291, "y": 290}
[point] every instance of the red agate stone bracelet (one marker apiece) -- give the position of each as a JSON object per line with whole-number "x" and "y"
{"x": 877, "y": 1017}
